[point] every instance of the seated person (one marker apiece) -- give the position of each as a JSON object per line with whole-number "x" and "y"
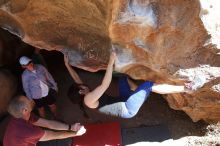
{"x": 24, "y": 127}
{"x": 129, "y": 102}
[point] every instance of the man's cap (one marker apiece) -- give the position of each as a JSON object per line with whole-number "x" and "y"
{"x": 24, "y": 60}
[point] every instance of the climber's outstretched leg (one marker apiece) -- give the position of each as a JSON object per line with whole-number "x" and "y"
{"x": 168, "y": 89}
{"x": 138, "y": 97}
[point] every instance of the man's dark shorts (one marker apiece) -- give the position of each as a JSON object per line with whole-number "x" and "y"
{"x": 48, "y": 100}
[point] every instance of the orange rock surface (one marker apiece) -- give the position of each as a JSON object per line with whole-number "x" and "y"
{"x": 163, "y": 41}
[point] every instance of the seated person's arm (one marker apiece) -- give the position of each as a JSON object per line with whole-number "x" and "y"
{"x": 51, "y": 135}
{"x": 72, "y": 72}
{"x": 91, "y": 99}
{"x": 55, "y": 125}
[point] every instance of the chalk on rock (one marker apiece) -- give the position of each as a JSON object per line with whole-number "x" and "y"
{"x": 198, "y": 82}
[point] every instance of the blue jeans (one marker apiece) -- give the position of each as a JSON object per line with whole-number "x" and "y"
{"x": 135, "y": 99}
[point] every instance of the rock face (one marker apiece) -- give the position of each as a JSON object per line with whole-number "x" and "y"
{"x": 8, "y": 86}
{"x": 162, "y": 41}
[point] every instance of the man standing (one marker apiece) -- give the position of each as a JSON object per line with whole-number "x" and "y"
{"x": 39, "y": 85}
{"x": 24, "y": 128}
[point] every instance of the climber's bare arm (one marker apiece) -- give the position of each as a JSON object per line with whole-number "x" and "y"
{"x": 91, "y": 99}
{"x": 72, "y": 72}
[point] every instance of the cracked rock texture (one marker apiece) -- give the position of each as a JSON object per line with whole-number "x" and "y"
{"x": 163, "y": 41}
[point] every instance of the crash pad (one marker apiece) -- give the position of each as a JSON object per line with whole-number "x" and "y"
{"x": 101, "y": 134}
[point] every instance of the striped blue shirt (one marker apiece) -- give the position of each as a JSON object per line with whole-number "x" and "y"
{"x": 31, "y": 81}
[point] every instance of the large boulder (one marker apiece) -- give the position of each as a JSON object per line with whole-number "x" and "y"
{"x": 163, "y": 41}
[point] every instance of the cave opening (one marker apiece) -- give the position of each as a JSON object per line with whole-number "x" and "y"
{"x": 155, "y": 110}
